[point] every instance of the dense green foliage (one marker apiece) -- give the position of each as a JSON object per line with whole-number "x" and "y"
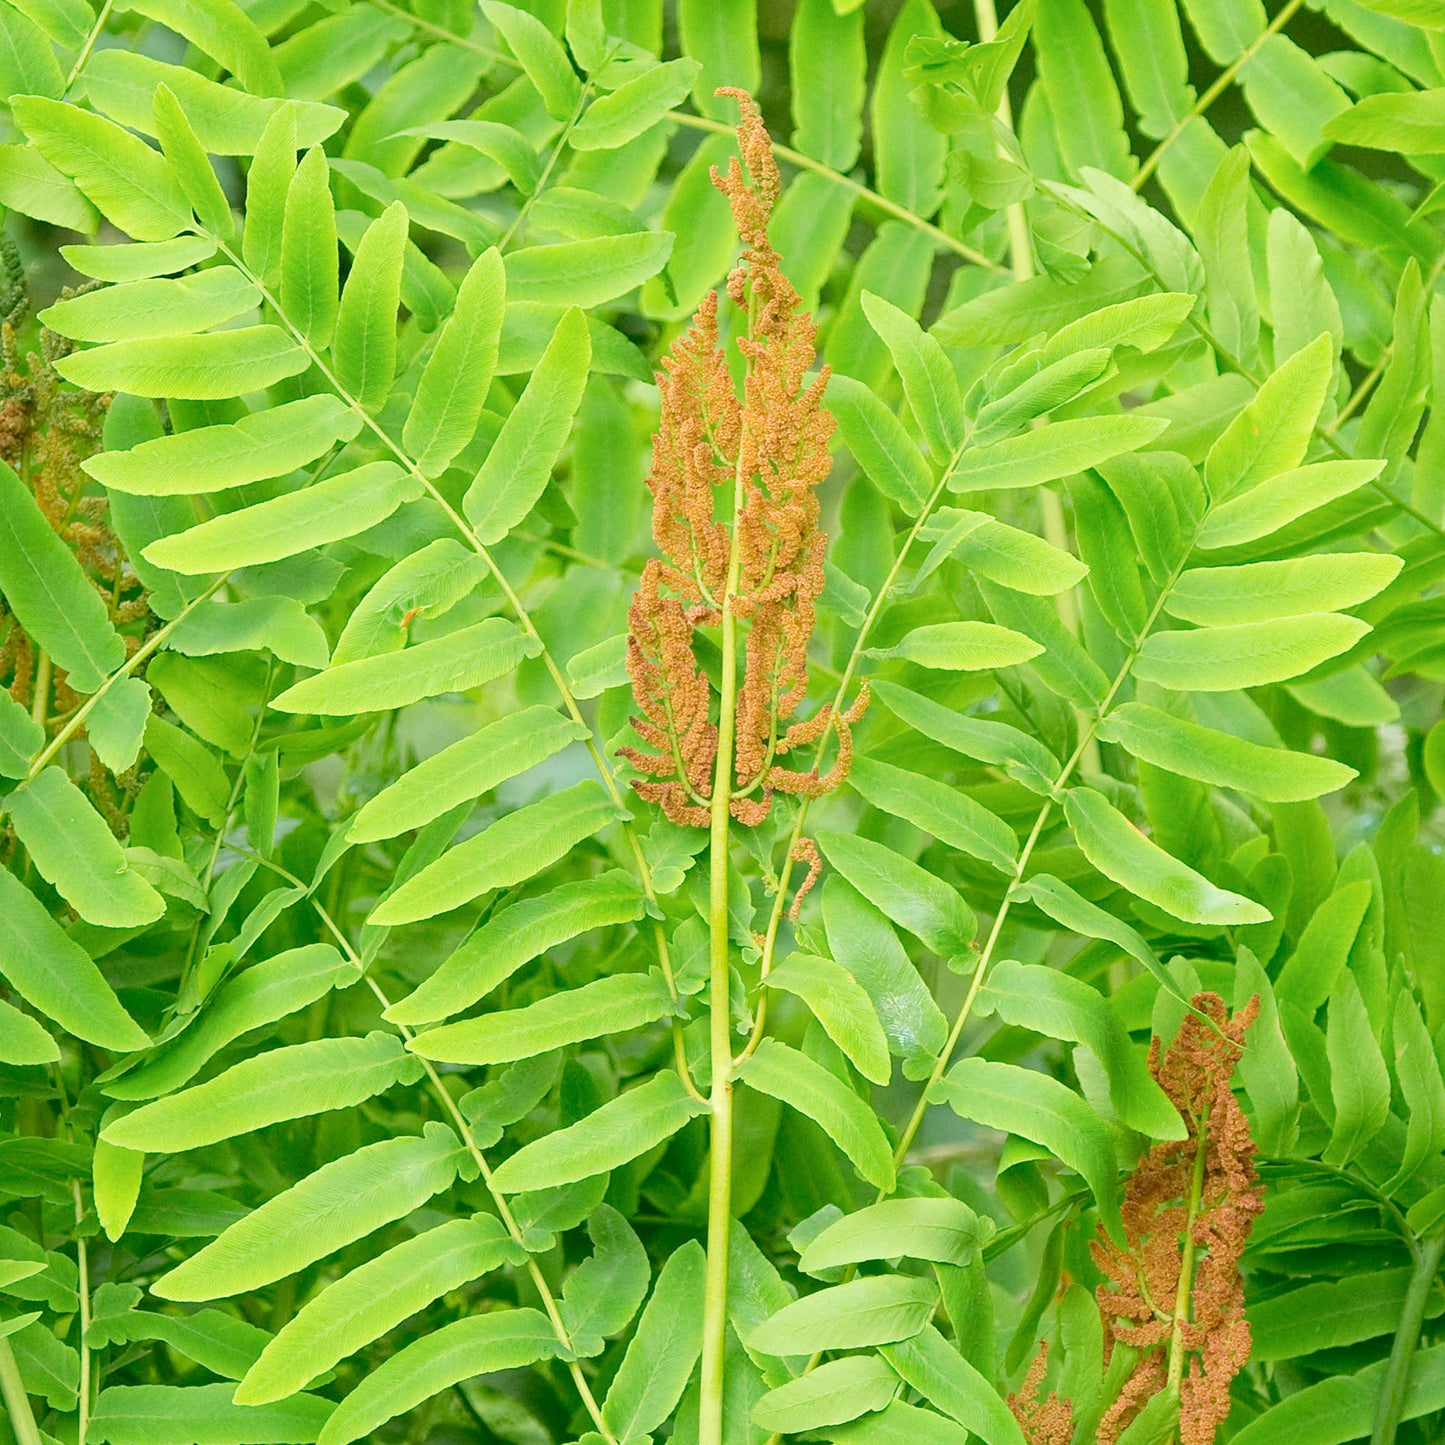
{"x": 367, "y": 1042}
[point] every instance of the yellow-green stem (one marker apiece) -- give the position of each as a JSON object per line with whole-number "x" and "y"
{"x": 82, "y": 1259}
{"x": 1185, "y": 1291}
{"x": 1222, "y": 83}
{"x": 80, "y": 60}
{"x": 561, "y": 144}
{"x": 794, "y": 158}
{"x": 1021, "y": 263}
{"x": 17, "y": 1402}
{"x": 720, "y": 1154}
{"x": 845, "y": 680}
{"x": 514, "y": 600}
{"x": 1391, "y": 1408}
{"x": 985, "y": 958}
{"x": 123, "y": 671}
{"x": 40, "y": 699}
{"x": 719, "y": 1193}
{"x": 1021, "y": 256}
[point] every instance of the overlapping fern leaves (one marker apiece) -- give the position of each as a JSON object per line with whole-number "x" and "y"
{"x": 357, "y": 1039}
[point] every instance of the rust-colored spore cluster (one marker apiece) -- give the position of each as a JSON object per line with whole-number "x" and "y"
{"x": 736, "y": 520}
{"x": 1168, "y": 1242}
{"x": 1049, "y": 1421}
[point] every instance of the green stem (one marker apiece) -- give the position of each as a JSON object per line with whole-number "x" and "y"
{"x": 1358, "y": 395}
{"x": 79, "y": 65}
{"x": 1221, "y": 83}
{"x": 864, "y": 193}
{"x": 1185, "y": 1290}
{"x": 845, "y": 680}
{"x": 719, "y": 1195}
{"x": 1391, "y": 1408}
{"x": 17, "y": 1402}
{"x": 720, "y": 1156}
{"x": 124, "y": 670}
{"x": 40, "y": 698}
{"x": 1021, "y": 262}
{"x": 1021, "y": 256}
{"x": 525, "y": 209}
{"x": 985, "y": 958}
{"x": 83, "y": 1290}
{"x": 509, "y": 1221}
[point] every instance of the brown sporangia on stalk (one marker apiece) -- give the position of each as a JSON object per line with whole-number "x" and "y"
{"x": 1049, "y": 1421}
{"x": 735, "y": 518}
{"x": 1174, "y": 1291}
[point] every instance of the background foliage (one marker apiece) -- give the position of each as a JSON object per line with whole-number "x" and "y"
{"x": 355, "y": 1017}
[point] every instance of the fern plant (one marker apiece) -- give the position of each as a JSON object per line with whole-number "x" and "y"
{"x": 906, "y": 907}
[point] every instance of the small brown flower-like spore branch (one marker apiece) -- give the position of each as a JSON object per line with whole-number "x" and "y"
{"x": 1174, "y": 1291}
{"x": 736, "y": 518}
{"x": 1047, "y": 1421}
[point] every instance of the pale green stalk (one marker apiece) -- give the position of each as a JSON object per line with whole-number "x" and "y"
{"x": 524, "y": 210}
{"x": 720, "y": 1153}
{"x": 40, "y": 701}
{"x": 990, "y": 944}
{"x": 82, "y": 1259}
{"x": 89, "y": 45}
{"x": 845, "y": 679}
{"x": 124, "y": 670}
{"x": 1021, "y": 262}
{"x": 1391, "y": 1409}
{"x": 1186, "y": 1264}
{"x": 1221, "y": 83}
{"x": 17, "y": 1402}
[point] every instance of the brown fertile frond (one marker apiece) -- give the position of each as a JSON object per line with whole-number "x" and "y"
{"x": 1043, "y": 1422}
{"x": 1174, "y": 1291}
{"x": 757, "y": 458}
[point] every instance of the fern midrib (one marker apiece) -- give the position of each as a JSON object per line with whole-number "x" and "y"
{"x": 1221, "y": 83}
{"x": 524, "y": 617}
{"x": 84, "y": 55}
{"x": 566, "y": 134}
{"x": 711, "y": 1394}
{"x": 151, "y": 644}
{"x": 902, "y": 213}
{"x": 1066, "y": 772}
{"x": 454, "y": 1113}
{"x": 1189, "y": 1251}
{"x": 570, "y": 705}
